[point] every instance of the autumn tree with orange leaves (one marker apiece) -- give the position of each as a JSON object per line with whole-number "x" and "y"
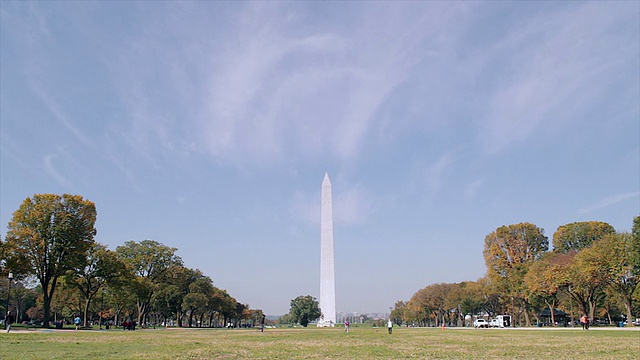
{"x": 546, "y": 277}
{"x": 508, "y": 253}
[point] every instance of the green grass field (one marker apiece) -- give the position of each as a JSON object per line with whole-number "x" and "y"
{"x": 314, "y": 343}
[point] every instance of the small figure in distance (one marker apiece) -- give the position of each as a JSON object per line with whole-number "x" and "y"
{"x": 262, "y": 322}
{"x": 77, "y": 322}
{"x": 346, "y": 325}
{"x": 584, "y": 320}
{"x": 8, "y": 320}
{"x": 390, "y": 326}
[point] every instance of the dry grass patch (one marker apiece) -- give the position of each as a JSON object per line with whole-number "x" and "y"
{"x": 315, "y": 343}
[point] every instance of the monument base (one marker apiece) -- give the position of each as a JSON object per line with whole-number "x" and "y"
{"x": 329, "y": 323}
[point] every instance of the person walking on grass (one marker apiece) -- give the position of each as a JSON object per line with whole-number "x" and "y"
{"x": 262, "y": 322}
{"x": 390, "y": 326}
{"x": 584, "y": 320}
{"x": 8, "y": 320}
{"x": 346, "y": 326}
{"x": 77, "y": 322}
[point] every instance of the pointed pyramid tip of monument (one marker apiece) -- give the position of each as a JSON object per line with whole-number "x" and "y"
{"x": 326, "y": 177}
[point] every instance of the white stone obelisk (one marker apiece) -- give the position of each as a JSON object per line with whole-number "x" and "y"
{"x": 327, "y": 275}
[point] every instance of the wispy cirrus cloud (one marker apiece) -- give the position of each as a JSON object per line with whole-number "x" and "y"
{"x": 609, "y": 201}
{"x": 51, "y": 167}
{"x": 351, "y": 205}
{"x": 54, "y": 108}
{"x": 554, "y": 66}
{"x": 264, "y": 88}
{"x": 472, "y": 189}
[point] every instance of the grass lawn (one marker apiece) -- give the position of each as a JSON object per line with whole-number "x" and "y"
{"x": 325, "y": 343}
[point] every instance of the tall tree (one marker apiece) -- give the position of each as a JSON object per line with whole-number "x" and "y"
{"x": 400, "y": 313}
{"x": 508, "y": 252}
{"x": 182, "y": 277}
{"x": 217, "y": 305}
{"x": 635, "y": 246}
{"x": 434, "y": 297}
{"x": 423, "y": 307}
{"x": 587, "y": 277}
{"x": 468, "y": 298}
{"x": 613, "y": 252}
{"x": 579, "y": 235}
{"x": 150, "y": 261}
{"x": 47, "y": 236}
{"x": 196, "y": 301}
{"x": 101, "y": 266}
{"x": 304, "y": 309}
{"x": 546, "y": 277}
{"x": 165, "y": 301}
{"x": 121, "y": 297}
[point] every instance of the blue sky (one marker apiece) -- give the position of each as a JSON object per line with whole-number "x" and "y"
{"x": 208, "y": 126}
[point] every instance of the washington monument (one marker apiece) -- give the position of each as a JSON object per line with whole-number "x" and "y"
{"x": 327, "y": 276}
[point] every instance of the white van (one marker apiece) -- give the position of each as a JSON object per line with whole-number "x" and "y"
{"x": 502, "y": 321}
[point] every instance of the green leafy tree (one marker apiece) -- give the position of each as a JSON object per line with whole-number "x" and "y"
{"x": 121, "y": 297}
{"x": 182, "y": 277}
{"x": 635, "y": 246}
{"x": 614, "y": 255}
{"x": 587, "y": 277}
{"x": 400, "y": 313}
{"x": 468, "y": 299}
{"x": 221, "y": 304}
{"x": 508, "y": 253}
{"x": 3, "y": 261}
{"x": 242, "y": 313}
{"x": 193, "y": 302}
{"x": 101, "y": 266}
{"x": 48, "y": 236}
{"x": 579, "y": 235}
{"x": 22, "y": 298}
{"x": 150, "y": 261}
{"x": 493, "y": 303}
{"x": 304, "y": 309}
{"x": 67, "y": 301}
{"x": 284, "y": 320}
{"x": 165, "y": 301}
{"x": 197, "y": 300}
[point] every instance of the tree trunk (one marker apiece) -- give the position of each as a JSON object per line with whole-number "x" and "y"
{"x": 627, "y": 305}
{"x": 592, "y": 309}
{"x": 46, "y": 304}
{"x": 117, "y": 315}
{"x": 179, "y": 317}
{"x": 86, "y": 310}
{"x": 552, "y": 309}
{"x": 142, "y": 312}
{"x": 527, "y": 317}
{"x": 583, "y": 304}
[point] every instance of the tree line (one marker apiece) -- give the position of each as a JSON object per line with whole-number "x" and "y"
{"x": 61, "y": 271}
{"x": 592, "y": 270}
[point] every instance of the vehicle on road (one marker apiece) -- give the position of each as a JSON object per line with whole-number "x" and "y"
{"x": 480, "y": 323}
{"x": 494, "y": 323}
{"x": 503, "y": 321}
